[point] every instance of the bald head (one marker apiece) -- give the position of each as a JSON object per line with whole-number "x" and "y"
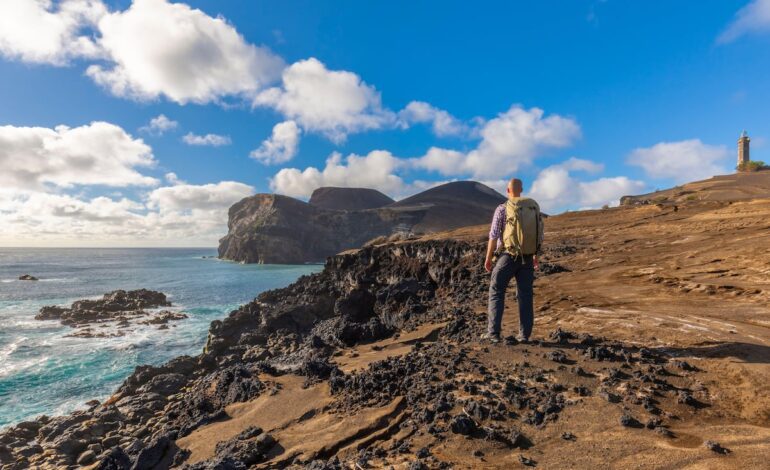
{"x": 515, "y": 187}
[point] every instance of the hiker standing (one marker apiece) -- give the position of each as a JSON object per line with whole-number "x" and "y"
{"x": 516, "y": 235}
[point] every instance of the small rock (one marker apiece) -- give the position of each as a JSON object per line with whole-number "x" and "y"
{"x": 557, "y": 356}
{"x": 715, "y": 447}
{"x": 86, "y": 457}
{"x": 686, "y": 399}
{"x": 629, "y": 421}
{"x": 568, "y": 436}
{"x": 527, "y": 461}
{"x": 462, "y": 424}
{"x": 28, "y": 277}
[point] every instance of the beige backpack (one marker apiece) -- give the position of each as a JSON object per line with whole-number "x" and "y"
{"x": 523, "y": 232}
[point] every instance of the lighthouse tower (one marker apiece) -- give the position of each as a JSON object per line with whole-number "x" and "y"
{"x": 743, "y": 149}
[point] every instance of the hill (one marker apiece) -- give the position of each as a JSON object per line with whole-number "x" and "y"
{"x": 268, "y": 228}
{"x": 733, "y": 187}
{"x": 452, "y": 205}
{"x": 348, "y": 199}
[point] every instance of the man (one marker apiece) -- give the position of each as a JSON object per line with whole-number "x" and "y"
{"x": 517, "y": 234}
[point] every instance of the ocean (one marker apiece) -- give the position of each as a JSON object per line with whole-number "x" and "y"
{"x": 42, "y": 371}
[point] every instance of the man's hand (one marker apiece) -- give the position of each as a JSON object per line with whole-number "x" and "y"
{"x": 488, "y": 265}
{"x": 535, "y": 262}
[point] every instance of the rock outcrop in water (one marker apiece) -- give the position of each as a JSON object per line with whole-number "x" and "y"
{"x": 269, "y": 228}
{"x": 117, "y": 306}
{"x": 28, "y": 277}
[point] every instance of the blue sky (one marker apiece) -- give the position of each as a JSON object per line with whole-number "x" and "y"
{"x": 585, "y": 100}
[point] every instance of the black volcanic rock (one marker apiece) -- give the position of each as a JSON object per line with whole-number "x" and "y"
{"x": 447, "y": 388}
{"x": 27, "y": 277}
{"x": 348, "y": 199}
{"x": 119, "y": 305}
{"x": 269, "y": 228}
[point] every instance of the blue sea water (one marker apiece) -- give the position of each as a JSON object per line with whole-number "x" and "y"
{"x": 42, "y": 371}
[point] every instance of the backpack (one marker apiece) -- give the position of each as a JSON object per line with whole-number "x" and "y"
{"x": 523, "y": 234}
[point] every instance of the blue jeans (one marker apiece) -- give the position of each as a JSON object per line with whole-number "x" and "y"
{"x": 506, "y": 268}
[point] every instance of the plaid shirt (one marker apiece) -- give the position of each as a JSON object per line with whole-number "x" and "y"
{"x": 498, "y": 225}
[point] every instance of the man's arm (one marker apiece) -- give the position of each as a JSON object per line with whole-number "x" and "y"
{"x": 491, "y": 246}
{"x": 495, "y": 234}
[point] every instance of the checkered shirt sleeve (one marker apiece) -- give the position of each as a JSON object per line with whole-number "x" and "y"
{"x": 498, "y": 223}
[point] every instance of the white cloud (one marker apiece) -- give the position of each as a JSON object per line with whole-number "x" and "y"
{"x": 172, "y": 178}
{"x": 442, "y": 123}
{"x": 185, "y": 197}
{"x": 35, "y": 31}
{"x": 96, "y": 154}
{"x": 686, "y": 160}
{"x": 211, "y": 140}
{"x": 579, "y": 164}
{"x": 515, "y": 137}
{"x": 510, "y": 140}
{"x": 556, "y": 189}
{"x": 335, "y": 103}
{"x": 281, "y": 146}
{"x": 159, "y": 125}
{"x": 167, "y": 49}
{"x": 182, "y": 215}
{"x": 754, "y": 18}
{"x": 445, "y": 161}
{"x": 374, "y": 170}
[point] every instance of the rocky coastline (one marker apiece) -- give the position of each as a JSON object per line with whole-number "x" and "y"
{"x": 439, "y": 389}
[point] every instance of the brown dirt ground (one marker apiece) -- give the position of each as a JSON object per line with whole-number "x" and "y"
{"x": 692, "y": 279}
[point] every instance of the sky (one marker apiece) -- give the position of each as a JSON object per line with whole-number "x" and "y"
{"x": 139, "y": 123}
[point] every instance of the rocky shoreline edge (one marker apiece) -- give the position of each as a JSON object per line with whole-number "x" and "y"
{"x": 440, "y": 388}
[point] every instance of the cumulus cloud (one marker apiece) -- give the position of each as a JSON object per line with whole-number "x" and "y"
{"x": 515, "y": 137}
{"x": 181, "y": 215}
{"x": 185, "y": 197}
{"x": 753, "y": 18}
{"x": 442, "y": 123}
{"x": 157, "y": 48}
{"x": 682, "y": 161}
{"x": 153, "y": 49}
{"x": 172, "y": 178}
{"x": 281, "y": 146}
{"x": 159, "y": 125}
{"x": 512, "y": 139}
{"x": 96, "y": 154}
{"x": 557, "y": 189}
{"x": 210, "y": 140}
{"x": 332, "y": 102}
{"x": 40, "y": 32}
{"x": 374, "y": 170}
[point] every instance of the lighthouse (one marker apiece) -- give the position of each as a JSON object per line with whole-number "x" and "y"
{"x": 743, "y": 150}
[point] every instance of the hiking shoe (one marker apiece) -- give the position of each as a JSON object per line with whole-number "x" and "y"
{"x": 522, "y": 339}
{"x": 511, "y": 341}
{"x": 494, "y": 339}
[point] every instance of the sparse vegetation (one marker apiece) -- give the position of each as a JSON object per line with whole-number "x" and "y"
{"x": 691, "y": 197}
{"x": 605, "y": 207}
{"x": 377, "y": 241}
{"x": 752, "y": 165}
